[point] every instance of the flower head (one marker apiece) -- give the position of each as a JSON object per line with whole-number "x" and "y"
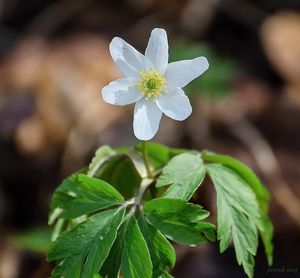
{"x": 151, "y": 83}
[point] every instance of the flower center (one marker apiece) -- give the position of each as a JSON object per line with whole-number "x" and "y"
{"x": 151, "y": 84}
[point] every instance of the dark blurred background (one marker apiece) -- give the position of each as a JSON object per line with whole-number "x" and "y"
{"x": 54, "y": 60}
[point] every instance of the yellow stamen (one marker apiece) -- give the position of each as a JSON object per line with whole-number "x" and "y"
{"x": 151, "y": 84}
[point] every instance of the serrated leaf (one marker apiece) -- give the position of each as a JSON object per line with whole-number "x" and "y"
{"x": 266, "y": 231}
{"x": 177, "y": 220}
{"x": 184, "y": 173}
{"x": 161, "y": 251}
{"x": 84, "y": 194}
{"x": 238, "y": 212}
{"x": 264, "y": 223}
{"x": 245, "y": 173}
{"x": 88, "y": 244}
{"x": 135, "y": 260}
{"x": 101, "y": 155}
{"x": 207, "y": 229}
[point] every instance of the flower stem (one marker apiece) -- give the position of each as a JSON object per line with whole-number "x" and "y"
{"x": 146, "y": 160}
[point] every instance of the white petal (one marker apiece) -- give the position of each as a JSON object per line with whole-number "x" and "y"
{"x": 183, "y": 72}
{"x": 146, "y": 119}
{"x": 156, "y": 53}
{"x": 127, "y": 58}
{"x": 121, "y": 92}
{"x": 175, "y": 104}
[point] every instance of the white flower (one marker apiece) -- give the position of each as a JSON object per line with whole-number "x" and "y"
{"x": 151, "y": 83}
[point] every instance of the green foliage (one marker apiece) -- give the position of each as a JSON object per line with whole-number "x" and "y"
{"x": 135, "y": 259}
{"x": 82, "y": 194}
{"x": 161, "y": 251}
{"x": 237, "y": 211}
{"x": 248, "y": 177}
{"x": 184, "y": 173}
{"x": 107, "y": 225}
{"x": 177, "y": 220}
{"x": 101, "y": 156}
{"x": 121, "y": 171}
{"x": 244, "y": 172}
{"x": 88, "y": 244}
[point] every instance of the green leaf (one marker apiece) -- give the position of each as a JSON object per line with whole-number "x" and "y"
{"x": 161, "y": 251}
{"x": 112, "y": 264}
{"x": 177, "y": 219}
{"x": 68, "y": 268}
{"x": 135, "y": 260}
{"x": 101, "y": 155}
{"x": 60, "y": 197}
{"x": 207, "y": 229}
{"x": 184, "y": 173}
{"x": 86, "y": 246}
{"x": 245, "y": 173}
{"x": 264, "y": 223}
{"x": 120, "y": 172}
{"x": 82, "y": 194}
{"x": 238, "y": 212}
{"x": 266, "y": 231}
{"x": 102, "y": 244}
{"x": 129, "y": 252}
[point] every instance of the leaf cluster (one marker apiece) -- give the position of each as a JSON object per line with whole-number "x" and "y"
{"x": 113, "y": 218}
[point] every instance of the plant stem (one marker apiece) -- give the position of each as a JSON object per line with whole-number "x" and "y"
{"x": 146, "y": 160}
{"x": 139, "y": 197}
{"x": 145, "y": 184}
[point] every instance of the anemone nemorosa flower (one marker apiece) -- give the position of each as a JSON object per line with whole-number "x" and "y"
{"x": 151, "y": 83}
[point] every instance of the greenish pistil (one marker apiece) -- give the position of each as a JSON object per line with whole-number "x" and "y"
{"x": 152, "y": 84}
